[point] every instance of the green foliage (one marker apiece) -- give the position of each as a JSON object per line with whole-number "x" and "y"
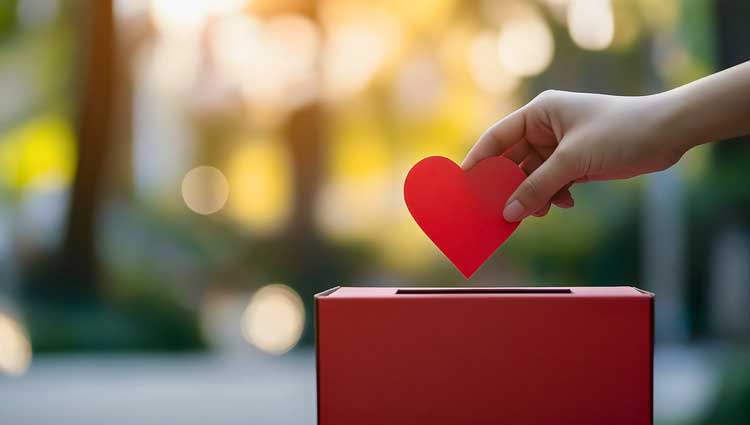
{"x": 720, "y": 198}
{"x": 732, "y": 405}
{"x": 698, "y": 29}
{"x": 8, "y": 24}
{"x": 141, "y": 315}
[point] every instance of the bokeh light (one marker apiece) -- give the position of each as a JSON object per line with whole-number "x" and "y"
{"x": 355, "y": 197}
{"x": 419, "y": 86}
{"x": 405, "y": 246}
{"x": 247, "y": 56}
{"x": 354, "y": 207}
{"x": 273, "y": 62}
{"x": 423, "y": 15}
{"x": 169, "y": 66}
{"x": 205, "y": 190}
{"x": 127, "y": 9}
{"x": 233, "y": 44}
{"x": 485, "y": 68}
{"x": 15, "y": 348}
{"x": 354, "y": 52}
{"x": 40, "y": 154}
{"x": 274, "y": 320}
{"x": 184, "y": 16}
{"x": 260, "y": 182}
{"x": 299, "y": 38}
{"x": 591, "y": 23}
{"x": 525, "y": 43}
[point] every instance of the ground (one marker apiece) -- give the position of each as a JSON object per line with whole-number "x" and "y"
{"x": 247, "y": 389}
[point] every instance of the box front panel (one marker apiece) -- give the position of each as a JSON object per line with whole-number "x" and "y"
{"x": 516, "y": 360}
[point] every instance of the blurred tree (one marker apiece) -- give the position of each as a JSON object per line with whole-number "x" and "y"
{"x": 722, "y": 201}
{"x": 78, "y": 256}
{"x": 732, "y": 405}
{"x": 733, "y": 48}
{"x": 73, "y": 272}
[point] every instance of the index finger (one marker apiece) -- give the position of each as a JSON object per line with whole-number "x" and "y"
{"x": 497, "y": 139}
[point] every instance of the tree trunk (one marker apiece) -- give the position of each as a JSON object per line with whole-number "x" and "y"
{"x": 78, "y": 261}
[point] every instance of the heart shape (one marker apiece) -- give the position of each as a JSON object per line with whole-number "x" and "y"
{"x": 462, "y": 211}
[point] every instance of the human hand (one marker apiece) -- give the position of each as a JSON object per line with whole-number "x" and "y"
{"x": 561, "y": 138}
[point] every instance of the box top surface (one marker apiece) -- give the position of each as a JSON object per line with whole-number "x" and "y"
{"x": 574, "y": 292}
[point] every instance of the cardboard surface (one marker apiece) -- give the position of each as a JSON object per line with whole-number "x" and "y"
{"x": 485, "y": 356}
{"x": 461, "y": 212}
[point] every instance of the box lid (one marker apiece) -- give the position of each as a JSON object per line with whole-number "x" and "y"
{"x": 575, "y": 292}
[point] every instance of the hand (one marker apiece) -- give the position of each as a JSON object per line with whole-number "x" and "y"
{"x": 561, "y": 138}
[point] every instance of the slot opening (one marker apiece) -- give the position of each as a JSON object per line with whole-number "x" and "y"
{"x": 469, "y": 291}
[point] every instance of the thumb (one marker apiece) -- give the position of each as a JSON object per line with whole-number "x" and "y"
{"x": 538, "y": 189}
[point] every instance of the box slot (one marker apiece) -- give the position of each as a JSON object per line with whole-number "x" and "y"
{"x": 469, "y": 291}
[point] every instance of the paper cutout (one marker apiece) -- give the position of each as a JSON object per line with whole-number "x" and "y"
{"x": 462, "y": 211}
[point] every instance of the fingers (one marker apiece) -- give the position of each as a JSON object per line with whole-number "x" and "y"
{"x": 531, "y": 163}
{"x": 563, "y": 198}
{"x": 542, "y": 212}
{"x": 518, "y": 152}
{"x": 535, "y": 194}
{"x": 497, "y": 139}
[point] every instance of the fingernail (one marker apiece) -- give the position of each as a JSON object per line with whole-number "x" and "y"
{"x": 513, "y": 211}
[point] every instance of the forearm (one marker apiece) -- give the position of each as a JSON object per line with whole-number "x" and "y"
{"x": 713, "y": 108}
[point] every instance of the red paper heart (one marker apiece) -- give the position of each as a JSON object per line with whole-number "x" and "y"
{"x": 462, "y": 211}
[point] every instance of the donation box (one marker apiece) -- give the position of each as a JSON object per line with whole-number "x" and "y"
{"x": 484, "y": 356}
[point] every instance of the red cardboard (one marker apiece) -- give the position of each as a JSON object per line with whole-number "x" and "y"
{"x": 462, "y": 212}
{"x": 484, "y": 356}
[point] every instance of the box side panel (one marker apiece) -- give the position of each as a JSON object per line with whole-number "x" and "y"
{"x": 485, "y": 361}
{"x": 652, "y": 330}
{"x": 319, "y": 305}
{"x": 316, "y": 325}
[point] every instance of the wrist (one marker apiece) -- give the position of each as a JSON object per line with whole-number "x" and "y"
{"x": 676, "y": 123}
{"x": 710, "y": 109}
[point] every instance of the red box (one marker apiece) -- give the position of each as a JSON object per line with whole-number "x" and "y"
{"x": 485, "y": 356}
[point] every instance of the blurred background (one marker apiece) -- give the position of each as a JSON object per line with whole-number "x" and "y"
{"x": 179, "y": 177}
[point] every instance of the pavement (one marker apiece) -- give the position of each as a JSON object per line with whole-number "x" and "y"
{"x": 191, "y": 389}
{"x": 247, "y": 389}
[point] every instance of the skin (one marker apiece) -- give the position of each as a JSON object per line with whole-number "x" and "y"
{"x": 561, "y": 138}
